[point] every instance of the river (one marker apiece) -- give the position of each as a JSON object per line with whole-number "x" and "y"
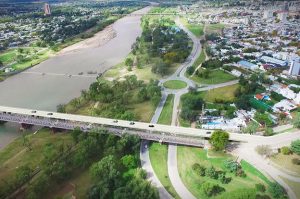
{"x": 56, "y": 80}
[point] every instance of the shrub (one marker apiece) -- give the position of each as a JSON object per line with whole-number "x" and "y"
{"x": 285, "y": 150}
{"x": 295, "y": 147}
{"x": 241, "y": 173}
{"x": 211, "y": 172}
{"x": 260, "y": 187}
{"x": 210, "y": 189}
{"x": 296, "y": 161}
{"x": 223, "y": 179}
{"x": 231, "y": 165}
{"x": 264, "y": 150}
{"x": 199, "y": 169}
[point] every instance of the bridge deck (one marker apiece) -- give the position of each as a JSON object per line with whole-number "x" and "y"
{"x": 70, "y": 121}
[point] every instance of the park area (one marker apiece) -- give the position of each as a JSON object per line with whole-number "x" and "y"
{"x": 235, "y": 188}
{"x": 196, "y": 29}
{"x": 220, "y": 94}
{"x": 213, "y": 77}
{"x": 22, "y": 58}
{"x": 175, "y": 84}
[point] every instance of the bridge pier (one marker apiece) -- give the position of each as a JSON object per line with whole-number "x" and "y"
{"x": 2, "y": 122}
{"x": 26, "y": 126}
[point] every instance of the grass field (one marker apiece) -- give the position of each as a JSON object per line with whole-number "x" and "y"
{"x": 8, "y": 56}
{"x": 215, "y": 77}
{"x": 175, "y": 84}
{"x": 224, "y": 93}
{"x": 214, "y": 28}
{"x": 166, "y": 114}
{"x": 285, "y": 161}
{"x": 159, "y": 157}
{"x": 196, "y": 29}
{"x": 187, "y": 156}
{"x": 16, "y": 154}
{"x": 199, "y": 60}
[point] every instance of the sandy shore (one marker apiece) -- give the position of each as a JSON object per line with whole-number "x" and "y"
{"x": 96, "y": 41}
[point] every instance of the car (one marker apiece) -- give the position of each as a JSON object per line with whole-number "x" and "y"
{"x": 49, "y": 113}
{"x": 131, "y": 123}
{"x": 115, "y": 121}
{"x": 208, "y": 132}
{"x": 33, "y": 111}
{"x": 151, "y": 125}
{"x": 146, "y": 146}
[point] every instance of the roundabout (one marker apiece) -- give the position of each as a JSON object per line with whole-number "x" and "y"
{"x": 175, "y": 84}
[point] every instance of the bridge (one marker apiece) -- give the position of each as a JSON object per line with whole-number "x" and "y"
{"x": 147, "y": 131}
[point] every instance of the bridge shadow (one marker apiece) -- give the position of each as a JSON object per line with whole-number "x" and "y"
{"x": 232, "y": 146}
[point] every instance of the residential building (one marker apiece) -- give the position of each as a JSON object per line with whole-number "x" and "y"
{"x": 295, "y": 68}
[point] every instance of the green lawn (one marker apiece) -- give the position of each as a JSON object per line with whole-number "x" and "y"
{"x": 223, "y": 93}
{"x": 166, "y": 114}
{"x": 175, "y": 84}
{"x": 159, "y": 157}
{"x": 199, "y": 60}
{"x": 214, "y": 28}
{"x": 187, "y": 156}
{"x": 215, "y": 77}
{"x": 8, "y": 56}
{"x": 196, "y": 29}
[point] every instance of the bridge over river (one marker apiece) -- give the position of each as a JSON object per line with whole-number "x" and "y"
{"x": 148, "y": 131}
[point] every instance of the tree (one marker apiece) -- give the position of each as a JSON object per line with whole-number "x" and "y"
{"x": 1, "y": 63}
{"x": 219, "y": 140}
{"x": 75, "y": 134}
{"x": 296, "y": 120}
{"x": 210, "y": 189}
{"x": 105, "y": 170}
{"x": 199, "y": 169}
{"x": 129, "y": 62}
{"x": 276, "y": 190}
{"x": 268, "y": 131}
{"x": 295, "y": 146}
{"x": 251, "y": 128}
{"x": 129, "y": 161}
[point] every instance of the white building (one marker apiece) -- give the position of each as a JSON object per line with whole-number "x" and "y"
{"x": 268, "y": 14}
{"x": 294, "y": 68}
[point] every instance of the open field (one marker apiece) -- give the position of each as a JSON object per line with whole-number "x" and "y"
{"x": 166, "y": 114}
{"x": 187, "y": 156}
{"x": 225, "y": 93}
{"x": 196, "y": 29}
{"x": 214, "y": 28}
{"x": 285, "y": 162}
{"x": 215, "y": 77}
{"x": 159, "y": 157}
{"x": 175, "y": 84}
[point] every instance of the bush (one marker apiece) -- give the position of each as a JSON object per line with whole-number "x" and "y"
{"x": 241, "y": 173}
{"x": 295, "y": 147}
{"x": 199, "y": 169}
{"x": 264, "y": 150}
{"x": 296, "y": 161}
{"x": 231, "y": 165}
{"x": 260, "y": 187}
{"x": 285, "y": 150}
{"x": 210, "y": 189}
{"x": 211, "y": 172}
